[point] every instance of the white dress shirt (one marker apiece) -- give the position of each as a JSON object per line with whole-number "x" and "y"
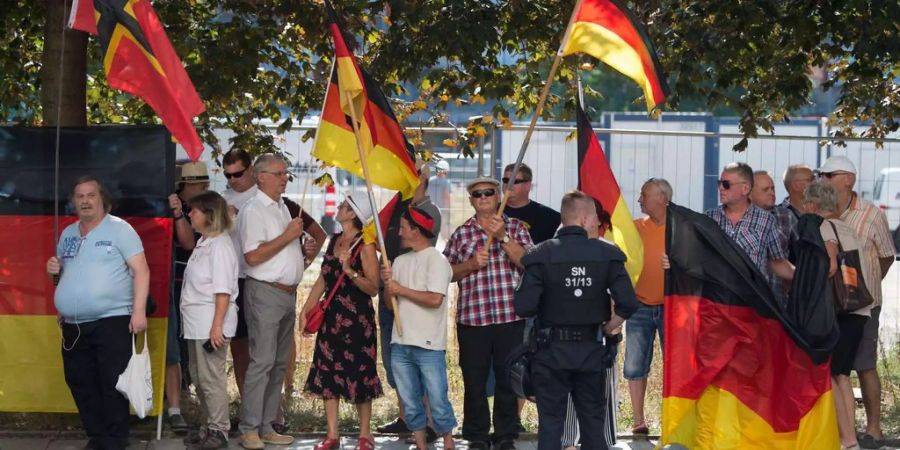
{"x": 238, "y": 200}
{"x": 262, "y": 220}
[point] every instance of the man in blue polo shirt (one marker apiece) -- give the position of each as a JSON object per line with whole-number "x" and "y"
{"x": 101, "y": 298}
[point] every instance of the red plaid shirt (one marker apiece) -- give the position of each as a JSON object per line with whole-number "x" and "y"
{"x": 486, "y": 295}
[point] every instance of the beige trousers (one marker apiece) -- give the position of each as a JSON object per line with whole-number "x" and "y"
{"x": 208, "y": 372}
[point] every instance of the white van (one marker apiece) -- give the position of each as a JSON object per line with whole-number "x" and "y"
{"x": 886, "y": 195}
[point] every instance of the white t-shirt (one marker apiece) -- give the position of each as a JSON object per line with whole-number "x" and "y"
{"x": 238, "y": 200}
{"x": 212, "y": 269}
{"x": 849, "y": 242}
{"x": 424, "y": 270}
{"x": 262, "y": 220}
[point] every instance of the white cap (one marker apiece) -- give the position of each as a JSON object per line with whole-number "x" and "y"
{"x": 837, "y": 164}
{"x": 442, "y": 165}
{"x": 362, "y": 209}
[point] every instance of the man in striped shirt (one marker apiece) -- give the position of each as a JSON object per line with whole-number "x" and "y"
{"x": 487, "y": 325}
{"x": 871, "y": 227}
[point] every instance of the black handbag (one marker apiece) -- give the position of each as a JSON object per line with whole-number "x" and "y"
{"x": 850, "y": 292}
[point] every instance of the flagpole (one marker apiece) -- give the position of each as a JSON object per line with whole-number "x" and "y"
{"x": 365, "y": 166}
{"x": 537, "y": 113}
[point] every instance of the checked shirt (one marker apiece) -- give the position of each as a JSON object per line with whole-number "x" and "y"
{"x": 486, "y": 295}
{"x": 756, "y": 233}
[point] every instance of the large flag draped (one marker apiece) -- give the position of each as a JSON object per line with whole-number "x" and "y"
{"x": 389, "y": 155}
{"x": 737, "y": 374}
{"x": 608, "y": 31}
{"x": 31, "y": 369}
{"x": 139, "y": 59}
{"x": 596, "y": 179}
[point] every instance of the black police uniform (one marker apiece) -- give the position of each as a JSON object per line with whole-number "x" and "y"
{"x": 567, "y": 284}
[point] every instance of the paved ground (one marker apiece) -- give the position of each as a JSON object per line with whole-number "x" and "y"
{"x": 68, "y": 442}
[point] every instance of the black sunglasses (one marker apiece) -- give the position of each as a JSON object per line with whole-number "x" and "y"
{"x": 518, "y": 180}
{"x": 237, "y": 174}
{"x": 726, "y": 184}
{"x": 483, "y": 193}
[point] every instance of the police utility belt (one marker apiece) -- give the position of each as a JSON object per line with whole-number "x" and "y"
{"x": 570, "y": 333}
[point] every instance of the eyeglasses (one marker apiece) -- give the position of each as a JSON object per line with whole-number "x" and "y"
{"x": 518, "y": 180}
{"x": 726, "y": 184}
{"x": 831, "y": 175}
{"x": 483, "y": 193}
{"x": 277, "y": 174}
{"x": 237, "y": 174}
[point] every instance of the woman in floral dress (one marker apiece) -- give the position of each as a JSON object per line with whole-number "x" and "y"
{"x": 344, "y": 362}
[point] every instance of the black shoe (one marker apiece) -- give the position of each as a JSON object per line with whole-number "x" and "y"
{"x": 479, "y": 445}
{"x": 178, "y": 424}
{"x": 869, "y": 441}
{"x": 195, "y": 437}
{"x": 280, "y": 428}
{"x": 398, "y": 426}
{"x": 431, "y": 436}
{"x": 214, "y": 440}
{"x": 506, "y": 445}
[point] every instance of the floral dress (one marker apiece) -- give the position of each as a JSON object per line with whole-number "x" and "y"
{"x": 344, "y": 362}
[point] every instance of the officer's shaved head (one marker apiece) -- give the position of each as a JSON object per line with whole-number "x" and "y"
{"x": 576, "y": 207}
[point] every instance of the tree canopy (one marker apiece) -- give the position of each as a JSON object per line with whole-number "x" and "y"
{"x": 253, "y": 60}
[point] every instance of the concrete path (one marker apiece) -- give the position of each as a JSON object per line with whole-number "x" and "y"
{"x": 34, "y": 441}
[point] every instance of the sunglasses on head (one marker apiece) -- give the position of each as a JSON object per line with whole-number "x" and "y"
{"x": 830, "y": 175}
{"x": 726, "y": 184}
{"x": 518, "y": 180}
{"x": 483, "y": 193}
{"x": 237, "y": 174}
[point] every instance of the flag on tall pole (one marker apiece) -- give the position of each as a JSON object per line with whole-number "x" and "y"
{"x": 736, "y": 373}
{"x": 139, "y": 59}
{"x": 389, "y": 155}
{"x": 596, "y": 179}
{"x": 608, "y": 31}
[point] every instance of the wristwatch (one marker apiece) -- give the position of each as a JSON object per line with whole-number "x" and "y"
{"x": 355, "y": 275}
{"x": 506, "y": 239}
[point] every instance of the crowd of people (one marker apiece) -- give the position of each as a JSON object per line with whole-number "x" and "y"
{"x": 240, "y": 256}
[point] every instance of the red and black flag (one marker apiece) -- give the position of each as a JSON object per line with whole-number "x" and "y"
{"x": 737, "y": 373}
{"x": 139, "y": 59}
{"x": 608, "y": 31}
{"x": 389, "y": 155}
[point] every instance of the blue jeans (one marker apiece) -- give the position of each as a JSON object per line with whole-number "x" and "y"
{"x": 639, "y": 330}
{"x": 385, "y": 331}
{"x": 420, "y": 372}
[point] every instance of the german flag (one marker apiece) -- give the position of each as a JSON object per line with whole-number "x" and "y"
{"x": 139, "y": 59}
{"x": 390, "y": 157}
{"x": 736, "y": 374}
{"x": 31, "y": 368}
{"x": 608, "y": 31}
{"x": 596, "y": 179}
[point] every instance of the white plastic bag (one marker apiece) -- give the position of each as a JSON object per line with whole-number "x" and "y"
{"x": 136, "y": 382}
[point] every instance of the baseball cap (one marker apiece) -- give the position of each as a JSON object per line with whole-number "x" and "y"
{"x": 837, "y": 164}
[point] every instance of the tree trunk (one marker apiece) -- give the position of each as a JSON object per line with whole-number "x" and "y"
{"x": 68, "y": 109}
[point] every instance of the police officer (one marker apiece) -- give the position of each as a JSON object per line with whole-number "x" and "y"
{"x": 567, "y": 284}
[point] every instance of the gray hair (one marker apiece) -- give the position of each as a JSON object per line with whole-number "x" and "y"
{"x": 743, "y": 170}
{"x": 761, "y": 172}
{"x": 662, "y": 185}
{"x": 263, "y": 161}
{"x": 822, "y": 194}
{"x": 791, "y": 172}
